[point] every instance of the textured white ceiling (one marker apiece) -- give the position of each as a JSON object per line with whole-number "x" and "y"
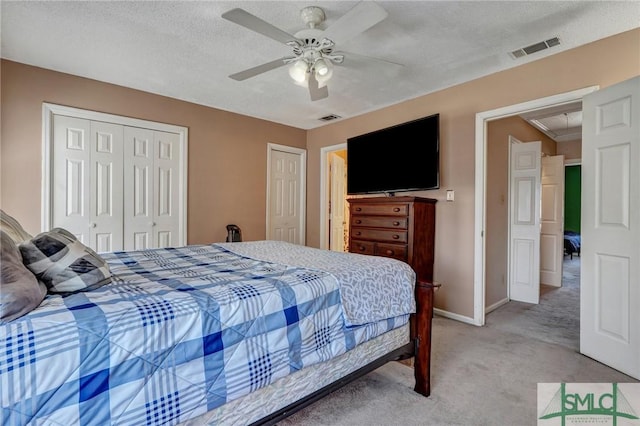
{"x": 185, "y": 50}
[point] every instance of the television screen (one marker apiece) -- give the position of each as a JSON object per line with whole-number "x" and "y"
{"x": 401, "y": 158}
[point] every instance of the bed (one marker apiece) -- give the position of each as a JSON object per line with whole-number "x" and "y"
{"x": 571, "y": 243}
{"x": 229, "y": 333}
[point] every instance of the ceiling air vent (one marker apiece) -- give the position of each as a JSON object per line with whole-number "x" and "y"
{"x": 536, "y": 47}
{"x": 329, "y": 117}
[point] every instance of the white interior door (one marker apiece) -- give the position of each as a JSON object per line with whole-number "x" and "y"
{"x": 166, "y": 166}
{"x": 101, "y": 193}
{"x": 610, "y": 227}
{"x": 152, "y": 165}
{"x": 106, "y": 186}
{"x": 139, "y": 190}
{"x": 552, "y": 221}
{"x": 337, "y": 206}
{"x": 524, "y": 221}
{"x": 87, "y": 181}
{"x": 70, "y": 197}
{"x": 285, "y": 216}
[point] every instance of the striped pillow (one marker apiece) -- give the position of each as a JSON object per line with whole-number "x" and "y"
{"x": 63, "y": 263}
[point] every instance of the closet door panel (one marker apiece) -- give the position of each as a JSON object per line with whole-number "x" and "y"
{"x": 167, "y": 181}
{"x": 138, "y": 189}
{"x": 106, "y": 185}
{"x": 70, "y": 197}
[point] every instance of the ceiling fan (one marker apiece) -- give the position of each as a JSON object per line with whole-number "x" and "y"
{"x": 313, "y": 54}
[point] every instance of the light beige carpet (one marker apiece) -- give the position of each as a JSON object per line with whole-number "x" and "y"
{"x": 480, "y": 375}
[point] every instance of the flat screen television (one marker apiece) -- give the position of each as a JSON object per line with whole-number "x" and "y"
{"x": 405, "y": 157}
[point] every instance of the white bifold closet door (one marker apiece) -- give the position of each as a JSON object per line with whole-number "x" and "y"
{"x": 116, "y": 187}
{"x": 151, "y": 161}
{"x": 87, "y": 181}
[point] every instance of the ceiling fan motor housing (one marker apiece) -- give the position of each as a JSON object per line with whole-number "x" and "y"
{"x": 312, "y": 16}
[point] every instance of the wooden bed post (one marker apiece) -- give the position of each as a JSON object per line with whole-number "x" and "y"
{"x": 422, "y": 335}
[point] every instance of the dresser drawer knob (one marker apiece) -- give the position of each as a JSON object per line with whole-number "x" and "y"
{"x": 358, "y": 209}
{"x": 361, "y": 248}
{"x": 358, "y": 233}
{"x": 358, "y": 221}
{"x": 396, "y": 236}
{"x": 396, "y": 209}
{"x": 389, "y": 252}
{"x": 396, "y": 223}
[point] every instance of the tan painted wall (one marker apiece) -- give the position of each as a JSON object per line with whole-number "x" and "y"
{"x": 572, "y": 150}
{"x": 497, "y": 217}
{"x": 227, "y": 152}
{"x": 602, "y": 63}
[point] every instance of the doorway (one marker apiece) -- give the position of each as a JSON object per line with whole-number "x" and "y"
{"x": 326, "y": 154}
{"x": 481, "y": 194}
{"x": 286, "y": 193}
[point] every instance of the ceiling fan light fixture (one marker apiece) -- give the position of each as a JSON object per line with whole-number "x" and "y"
{"x": 323, "y": 70}
{"x": 298, "y": 70}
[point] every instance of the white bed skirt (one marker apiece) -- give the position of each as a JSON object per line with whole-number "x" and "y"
{"x": 293, "y": 387}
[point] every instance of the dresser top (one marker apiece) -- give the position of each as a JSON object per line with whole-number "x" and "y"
{"x": 394, "y": 199}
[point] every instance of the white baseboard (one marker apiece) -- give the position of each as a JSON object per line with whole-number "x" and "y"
{"x": 495, "y": 305}
{"x": 453, "y": 316}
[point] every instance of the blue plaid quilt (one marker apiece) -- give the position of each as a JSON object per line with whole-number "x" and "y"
{"x": 179, "y": 331}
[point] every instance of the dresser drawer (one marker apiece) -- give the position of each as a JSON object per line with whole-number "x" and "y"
{"x": 400, "y": 209}
{"x": 399, "y": 236}
{"x": 362, "y": 247}
{"x": 396, "y": 251}
{"x": 380, "y": 222}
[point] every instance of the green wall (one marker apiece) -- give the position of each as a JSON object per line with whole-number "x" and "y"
{"x": 572, "y": 178}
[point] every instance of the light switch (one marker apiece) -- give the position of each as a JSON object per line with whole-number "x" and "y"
{"x": 450, "y": 195}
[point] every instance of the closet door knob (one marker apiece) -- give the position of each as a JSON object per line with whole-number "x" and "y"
{"x": 93, "y": 225}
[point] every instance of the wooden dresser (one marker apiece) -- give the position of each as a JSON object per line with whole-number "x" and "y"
{"x": 399, "y": 227}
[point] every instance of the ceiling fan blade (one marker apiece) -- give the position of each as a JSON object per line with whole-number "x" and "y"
{"x": 359, "y": 19}
{"x": 252, "y": 72}
{"x": 252, "y": 22}
{"x": 350, "y": 58}
{"x": 315, "y": 91}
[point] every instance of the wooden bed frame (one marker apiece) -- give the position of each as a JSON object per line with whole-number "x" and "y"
{"x": 419, "y": 348}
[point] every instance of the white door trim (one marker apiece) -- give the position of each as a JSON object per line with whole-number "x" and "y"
{"x": 482, "y": 119}
{"x": 303, "y": 187}
{"x": 49, "y": 110}
{"x": 324, "y": 191}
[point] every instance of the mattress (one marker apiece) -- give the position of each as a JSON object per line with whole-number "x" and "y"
{"x": 289, "y": 389}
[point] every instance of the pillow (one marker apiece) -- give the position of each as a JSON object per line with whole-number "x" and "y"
{"x": 63, "y": 263}
{"x": 13, "y": 228}
{"x": 20, "y": 292}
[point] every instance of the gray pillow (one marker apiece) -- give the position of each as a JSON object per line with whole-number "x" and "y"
{"x": 20, "y": 292}
{"x": 63, "y": 263}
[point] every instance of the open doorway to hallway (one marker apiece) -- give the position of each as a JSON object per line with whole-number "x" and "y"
{"x": 557, "y": 315}
{"x": 334, "y": 214}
